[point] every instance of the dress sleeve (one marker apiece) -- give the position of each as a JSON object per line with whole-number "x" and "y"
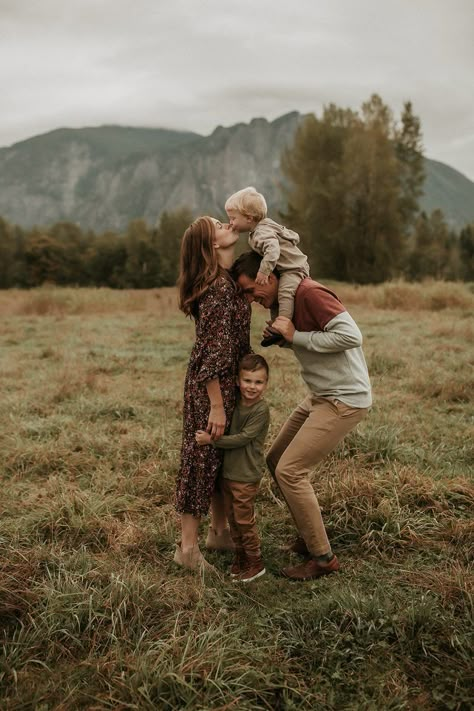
{"x": 216, "y": 310}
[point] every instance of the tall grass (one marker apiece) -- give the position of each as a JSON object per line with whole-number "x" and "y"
{"x": 93, "y": 612}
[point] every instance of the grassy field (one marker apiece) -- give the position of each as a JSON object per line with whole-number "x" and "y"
{"x": 93, "y": 612}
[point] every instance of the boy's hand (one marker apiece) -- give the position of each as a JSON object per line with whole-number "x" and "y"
{"x": 202, "y": 437}
{"x": 261, "y": 278}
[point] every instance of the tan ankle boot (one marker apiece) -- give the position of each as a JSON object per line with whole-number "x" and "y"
{"x": 219, "y": 541}
{"x": 192, "y": 559}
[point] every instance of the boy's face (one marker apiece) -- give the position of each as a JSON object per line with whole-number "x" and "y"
{"x": 252, "y": 384}
{"x": 239, "y": 222}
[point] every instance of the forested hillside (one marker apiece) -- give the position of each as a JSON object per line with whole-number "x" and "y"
{"x": 101, "y": 178}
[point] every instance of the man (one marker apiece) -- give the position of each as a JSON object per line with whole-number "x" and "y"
{"x": 328, "y": 345}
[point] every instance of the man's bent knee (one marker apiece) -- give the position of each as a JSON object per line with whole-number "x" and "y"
{"x": 285, "y": 476}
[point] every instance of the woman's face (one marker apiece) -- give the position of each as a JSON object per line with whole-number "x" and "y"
{"x": 224, "y": 236}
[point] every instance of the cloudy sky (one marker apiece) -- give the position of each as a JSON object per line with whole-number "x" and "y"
{"x": 197, "y": 64}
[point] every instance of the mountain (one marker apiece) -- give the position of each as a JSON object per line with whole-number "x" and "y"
{"x": 103, "y": 177}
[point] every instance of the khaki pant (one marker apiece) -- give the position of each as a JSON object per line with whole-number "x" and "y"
{"x": 239, "y": 503}
{"x": 311, "y": 432}
{"x": 289, "y": 281}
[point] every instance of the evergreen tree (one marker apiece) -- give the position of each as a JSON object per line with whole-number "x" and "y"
{"x": 352, "y": 187}
{"x": 370, "y": 247}
{"x": 142, "y": 266}
{"x": 435, "y": 252}
{"x": 466, "y": 252}
{"x": 7, "y": 254}
{"x": 409, "y": 152}
{"x": 167, "y": 239}
{"x": 72, "y": 268}
{"x": 44, "y": 259}
{"x": 106, "y": 257}
{"x": 314, "y": 189}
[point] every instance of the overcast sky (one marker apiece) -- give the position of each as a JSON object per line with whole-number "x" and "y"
{"x": 197, "y": 64}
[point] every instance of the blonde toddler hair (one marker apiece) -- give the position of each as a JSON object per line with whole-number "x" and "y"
{"x": 248, "y": 202}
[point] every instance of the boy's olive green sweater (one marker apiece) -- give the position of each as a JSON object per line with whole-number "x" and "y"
{"x": 244, "y": 458}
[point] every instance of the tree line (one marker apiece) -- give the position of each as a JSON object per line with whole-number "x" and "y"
{"x": 352, "y": 183}
{"x": 142, "y": 258}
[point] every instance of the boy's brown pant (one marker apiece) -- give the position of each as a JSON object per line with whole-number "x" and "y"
{"x": 311, "y": 432}
{"x": 239, "y": 503}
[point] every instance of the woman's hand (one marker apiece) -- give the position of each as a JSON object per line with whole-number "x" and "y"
{"x": 216, "y": 422}
{"x": 202, "y": 437}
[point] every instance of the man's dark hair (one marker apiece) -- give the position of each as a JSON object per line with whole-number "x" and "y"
{"x": 252, "y": 362}
{"x": 248, "y": 263}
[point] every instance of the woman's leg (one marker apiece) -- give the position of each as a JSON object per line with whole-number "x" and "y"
{"x": 218, "y": 517}
{"x": 189, "y": 531}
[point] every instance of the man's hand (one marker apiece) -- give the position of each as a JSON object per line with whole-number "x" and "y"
{"x": 202, "y": 437}
{"x": 284, "y": 326}
{"x": 261, "y": 278}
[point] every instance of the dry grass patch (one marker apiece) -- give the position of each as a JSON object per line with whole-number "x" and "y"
{"x": 57, "y": 301}
{"x": 405, "y": 296}
{"x": 95, "y": 613}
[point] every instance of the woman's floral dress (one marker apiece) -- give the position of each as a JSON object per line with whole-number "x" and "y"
{"x": 222, "y": 339}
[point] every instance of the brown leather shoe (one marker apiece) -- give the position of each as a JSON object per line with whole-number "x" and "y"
{"x": 297, "y": 546}
{"x": 239, "y": 564}
{"x": 310, "y": 569}
{"x": 254, "y": 568}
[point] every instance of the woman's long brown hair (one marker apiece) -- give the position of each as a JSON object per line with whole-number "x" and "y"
{"x": 198, "y": 266}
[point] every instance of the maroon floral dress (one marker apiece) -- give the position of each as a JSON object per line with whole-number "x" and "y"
{"x": 222, "y": 339}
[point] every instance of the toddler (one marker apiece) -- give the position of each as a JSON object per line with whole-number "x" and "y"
{"x": 277, "y": 245}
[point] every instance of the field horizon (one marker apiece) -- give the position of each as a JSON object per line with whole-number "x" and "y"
{"x": 94, "y": 613}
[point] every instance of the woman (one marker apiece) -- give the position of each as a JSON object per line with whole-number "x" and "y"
{"x": 208, "y": 295}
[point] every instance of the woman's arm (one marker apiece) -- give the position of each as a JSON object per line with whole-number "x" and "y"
{"x": 216, "y": 421}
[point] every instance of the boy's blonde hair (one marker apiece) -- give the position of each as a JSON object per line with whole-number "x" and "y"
{"x": 248, "y": 202}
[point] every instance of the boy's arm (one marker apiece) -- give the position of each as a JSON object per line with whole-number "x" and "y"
{"x": 257, "y": 423}
{"x": 265, "y": 242}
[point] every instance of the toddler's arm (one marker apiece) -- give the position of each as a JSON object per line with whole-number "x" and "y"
{"x": 265, "y": 242}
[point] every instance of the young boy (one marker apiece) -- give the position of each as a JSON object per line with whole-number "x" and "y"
{"x": 247, "y": 212}
{"x": 243, "y": 465}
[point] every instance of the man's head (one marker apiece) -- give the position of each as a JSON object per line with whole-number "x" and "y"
{"x": 244, "y": 272}
{"x": 245, "y": 209}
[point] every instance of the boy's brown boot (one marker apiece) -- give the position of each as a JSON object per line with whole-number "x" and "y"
{"x": 219, "y": 541}
{"x": 254, "y": 569}
{"x": 239, "y": 563}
